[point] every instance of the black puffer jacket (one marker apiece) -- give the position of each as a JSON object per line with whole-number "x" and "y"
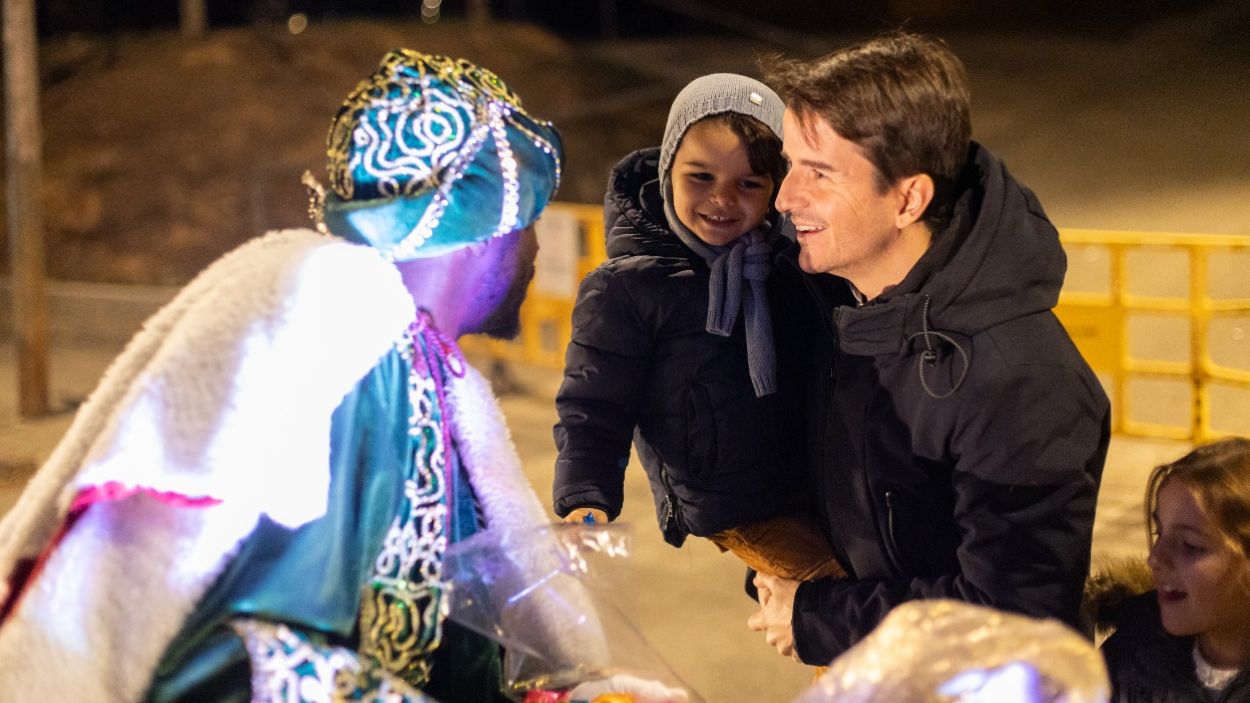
{"x": 640, "y": 358}
{"x": 971, "y": 475}
{"x": 1147, "y": 665}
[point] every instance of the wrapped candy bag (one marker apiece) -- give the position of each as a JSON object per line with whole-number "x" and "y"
{"x": 945, "y": 651}
{"x": 546, "y": 595}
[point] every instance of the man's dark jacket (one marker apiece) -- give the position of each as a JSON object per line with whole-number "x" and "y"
{"x": 956, "y": 436}
{"x": 641, "y": 356}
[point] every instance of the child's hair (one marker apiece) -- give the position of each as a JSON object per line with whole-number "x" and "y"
{"x": 1218, "y": 475}
{"x": 763, "y": 147}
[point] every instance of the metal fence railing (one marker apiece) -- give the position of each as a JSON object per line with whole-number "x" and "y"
{"x": 1111, "y": 304}
{"x": 1102, "y": 324}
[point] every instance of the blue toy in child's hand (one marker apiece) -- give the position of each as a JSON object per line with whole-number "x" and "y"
{"x": 588, "y": 518}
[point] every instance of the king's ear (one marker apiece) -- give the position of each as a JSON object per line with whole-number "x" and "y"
{"x": 476, "y": 248}
{"x": 916, "y": 193}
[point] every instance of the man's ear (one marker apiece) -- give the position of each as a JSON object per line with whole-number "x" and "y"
{"x": 917, "y": 193}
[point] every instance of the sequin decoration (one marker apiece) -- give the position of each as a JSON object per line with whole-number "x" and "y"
{"x": 291, "y": 666}
{"x": 403, "y": 607}
{"x": 507, "y": 166}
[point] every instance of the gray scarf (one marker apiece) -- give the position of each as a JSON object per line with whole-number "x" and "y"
{"x": 747, "y": 258}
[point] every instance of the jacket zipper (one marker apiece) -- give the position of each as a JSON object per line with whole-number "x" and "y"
{"x": 670, "y": 500}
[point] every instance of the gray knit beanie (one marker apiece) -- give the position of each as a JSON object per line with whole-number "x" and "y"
{"x": 746, "y": 260}
{"x": 714, "y": 94}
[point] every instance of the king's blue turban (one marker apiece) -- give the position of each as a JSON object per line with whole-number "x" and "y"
{"x": 430, "y": 154}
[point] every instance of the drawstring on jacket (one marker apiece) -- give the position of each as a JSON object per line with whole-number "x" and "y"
{"x": 929, "y": 356}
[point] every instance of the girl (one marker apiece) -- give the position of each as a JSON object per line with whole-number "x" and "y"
{"x": 1189, "y": 639}
{"x": 672, "y": 342}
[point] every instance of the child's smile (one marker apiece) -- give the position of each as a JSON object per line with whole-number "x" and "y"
{"x": 1201, "y": 582}
{"x": 716, "y": 195}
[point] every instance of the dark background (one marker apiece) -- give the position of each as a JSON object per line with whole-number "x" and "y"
{"x": 595, "y": 18}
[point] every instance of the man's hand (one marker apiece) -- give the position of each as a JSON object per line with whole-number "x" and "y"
{"x": 579, "y": 516}
{"x": 777, "y": 608}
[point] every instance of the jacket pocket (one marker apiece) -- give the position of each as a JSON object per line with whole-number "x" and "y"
{"x": 701, "y": 434}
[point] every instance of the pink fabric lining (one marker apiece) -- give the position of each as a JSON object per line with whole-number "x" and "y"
{"x": 116, "y": 490}
{"x": 28, "y": 569}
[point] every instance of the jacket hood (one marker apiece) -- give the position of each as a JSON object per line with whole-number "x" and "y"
{"x": 998, "y": 260}
{"x": 633, "y": 210}
{"x": 1109, "y": 588}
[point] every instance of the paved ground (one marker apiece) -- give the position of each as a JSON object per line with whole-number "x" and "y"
{"x": 687, "y": 603}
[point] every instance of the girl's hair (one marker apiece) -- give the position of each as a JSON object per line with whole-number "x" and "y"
{"x": 1218, "y": 475}
{"x": 763, "y": 147}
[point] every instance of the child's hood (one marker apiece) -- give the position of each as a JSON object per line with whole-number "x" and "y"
{"x": 633, "y": 210}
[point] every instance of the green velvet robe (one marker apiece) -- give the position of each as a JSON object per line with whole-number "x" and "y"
{"x": 312, "y": 578}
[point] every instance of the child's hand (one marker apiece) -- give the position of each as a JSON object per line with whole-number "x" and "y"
{"x": 587, "y": 516}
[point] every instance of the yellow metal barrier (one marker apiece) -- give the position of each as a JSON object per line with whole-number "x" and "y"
{"x": 1099, "y": 324}
{"x": 572, "y": 244}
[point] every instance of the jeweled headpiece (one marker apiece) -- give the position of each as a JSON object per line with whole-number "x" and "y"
{"x": 432, "y": 153}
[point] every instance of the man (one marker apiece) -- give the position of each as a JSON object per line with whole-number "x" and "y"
{"x": 255, "y": 503}
{"x": 955, "y": 436}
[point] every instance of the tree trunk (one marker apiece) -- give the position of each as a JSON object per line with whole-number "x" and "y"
{"x": 193, "y": 18}
{"x": 23, "y": 149}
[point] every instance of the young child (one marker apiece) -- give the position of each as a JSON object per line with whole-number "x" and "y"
{"x": 672, "y": 340}
{"x": 1189, "y": 639}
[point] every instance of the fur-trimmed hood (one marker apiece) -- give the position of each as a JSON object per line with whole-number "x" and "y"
{"x": 1109, "y": 587}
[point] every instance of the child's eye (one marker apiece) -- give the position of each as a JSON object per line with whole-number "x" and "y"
{"x": 700, "y": 176}
{"x": 1192, "y": 549}
{"x": 752, "y": 185}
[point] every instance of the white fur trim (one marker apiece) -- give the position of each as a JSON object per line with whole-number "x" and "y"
{"x": 489, "y": 456}
{"x": 562, "y": 622}
{"x": 92, "y": 628}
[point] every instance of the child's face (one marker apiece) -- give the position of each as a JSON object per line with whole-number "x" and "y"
{"x": 716, "y": 195}
{"x": 1201, "y": 589}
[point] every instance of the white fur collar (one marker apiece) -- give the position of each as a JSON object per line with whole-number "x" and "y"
{"x": 227, "y": 393}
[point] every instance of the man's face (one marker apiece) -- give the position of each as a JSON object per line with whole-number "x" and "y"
{"x": 502, "y": 287}
{"x": 845, "y": 225}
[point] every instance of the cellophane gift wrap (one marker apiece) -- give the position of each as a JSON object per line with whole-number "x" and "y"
{"x": 944, "y": 651}
{"x": 549, "y": 595}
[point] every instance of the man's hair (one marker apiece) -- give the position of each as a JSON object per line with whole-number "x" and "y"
{"x": 902, "y": 98}
{"x": 1218, "y": 476}
{"x": 763, "y": 147}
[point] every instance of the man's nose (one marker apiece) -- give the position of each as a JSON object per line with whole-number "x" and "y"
{"x": 786, "y": 195}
